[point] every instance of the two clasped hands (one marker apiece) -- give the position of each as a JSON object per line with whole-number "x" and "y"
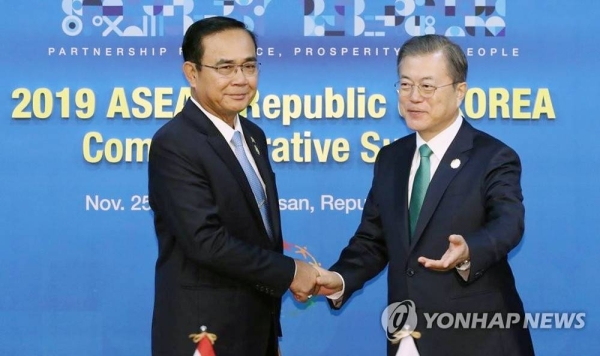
{"x": 313, "y": 280}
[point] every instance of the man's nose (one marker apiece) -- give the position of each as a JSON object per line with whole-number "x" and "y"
{"x": 239, "y": 76}
{"x": 415, "y": 94}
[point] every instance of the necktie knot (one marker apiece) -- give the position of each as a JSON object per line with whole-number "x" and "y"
{"x": 237, "y": 139}
{"x": 425, "y": 151}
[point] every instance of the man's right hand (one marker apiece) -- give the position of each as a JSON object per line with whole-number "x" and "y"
{"x": 304, "y": 284}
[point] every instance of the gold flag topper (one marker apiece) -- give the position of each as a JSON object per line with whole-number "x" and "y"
{"x": 197, "y": 337}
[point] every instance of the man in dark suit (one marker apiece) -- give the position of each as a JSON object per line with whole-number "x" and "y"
{"x": 444, "y": 210}
{"x": 216, "y": 213}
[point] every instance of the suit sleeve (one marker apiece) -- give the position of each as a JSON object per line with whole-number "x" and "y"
{"x": 366, "y": 254}
{"x": 181, "y": 192}
{"x": 504, "y": 213}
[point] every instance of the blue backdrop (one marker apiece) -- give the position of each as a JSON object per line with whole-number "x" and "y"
{"x": 86, "y": 84}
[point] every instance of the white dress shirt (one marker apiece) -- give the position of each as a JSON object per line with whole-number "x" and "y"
{"x": 439, "y": 145}
{"x": 227, "y": 132}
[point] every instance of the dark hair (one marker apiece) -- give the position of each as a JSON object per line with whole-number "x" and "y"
{"x": 192, "y": 46}
{"x": 429, "y": 44}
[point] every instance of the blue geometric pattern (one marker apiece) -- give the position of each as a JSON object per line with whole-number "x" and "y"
{"x": 154, "y": 18}
{"x": 348, "y": 18}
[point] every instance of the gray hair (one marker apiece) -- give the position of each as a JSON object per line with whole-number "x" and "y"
{"x": 428, "y": 44}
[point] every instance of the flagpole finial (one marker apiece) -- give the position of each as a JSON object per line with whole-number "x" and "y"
{"x": 203, "y": 334}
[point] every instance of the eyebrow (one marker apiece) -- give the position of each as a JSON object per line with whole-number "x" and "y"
{"x": 230, "y": 61}
{"x": 422, "y": 79}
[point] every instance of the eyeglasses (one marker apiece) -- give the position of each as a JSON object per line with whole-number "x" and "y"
{"x": 426, "y": 90}
{"x": 249, "y": 69}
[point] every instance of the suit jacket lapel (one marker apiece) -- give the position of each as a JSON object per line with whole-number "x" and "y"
{"x": 223, "y": 150}
{"x": 400, "y": 179}
{"x": 444, "y": 174}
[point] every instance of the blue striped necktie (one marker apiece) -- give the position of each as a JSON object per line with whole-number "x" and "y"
{"x": 253, "y": 180}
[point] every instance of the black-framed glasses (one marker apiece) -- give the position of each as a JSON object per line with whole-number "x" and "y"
{"x": 426, "y": 90}
{"x": 249, "y": 69}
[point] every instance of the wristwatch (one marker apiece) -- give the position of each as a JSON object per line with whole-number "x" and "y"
{"x": 464, "y": 265}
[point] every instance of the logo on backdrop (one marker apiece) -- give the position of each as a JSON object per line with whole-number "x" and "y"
{"x": 405, "y": 17}
{"x": 356, "y": 22}
{"x": 151, "y": 18}
{"x": 301, "y": 253}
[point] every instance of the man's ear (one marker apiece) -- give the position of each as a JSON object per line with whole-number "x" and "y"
{"x": 191, "y": 72}
{"x": 461, "y": 92}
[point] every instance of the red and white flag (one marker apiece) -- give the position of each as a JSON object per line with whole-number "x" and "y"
{"x": 407, "y": 347}
{"x": 204, "y": 342}
{"x": 204, "y": 348}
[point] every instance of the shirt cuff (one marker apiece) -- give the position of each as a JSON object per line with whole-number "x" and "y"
{"x": 338, "y": 295}
{"x": 463, "y": 269}
{"x": 295, "y": 269}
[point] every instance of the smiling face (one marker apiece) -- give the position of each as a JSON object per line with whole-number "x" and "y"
{"x": 223, "y": 96}
{"x": 429, "y": 116}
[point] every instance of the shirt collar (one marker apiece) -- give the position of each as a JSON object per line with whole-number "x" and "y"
{"x": 440, "y": 143}
{"x": 223, "y": 128}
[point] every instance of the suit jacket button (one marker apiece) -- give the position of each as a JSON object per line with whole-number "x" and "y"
{"x": 410, "y": 272}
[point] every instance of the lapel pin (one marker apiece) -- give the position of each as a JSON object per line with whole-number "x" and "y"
{"x": 255, "y": 146}
{"x": 455, "y": 163}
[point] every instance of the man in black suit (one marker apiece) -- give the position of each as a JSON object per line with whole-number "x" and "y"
{"x": 216, "y": 213}
{"x": 444, "y": 210}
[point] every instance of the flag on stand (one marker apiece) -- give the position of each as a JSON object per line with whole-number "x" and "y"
{"x": 204, "y": 342}
{"x": 407, "y": 347}
{"x": 204, "y": 348}
{"x": 406, "y": 338}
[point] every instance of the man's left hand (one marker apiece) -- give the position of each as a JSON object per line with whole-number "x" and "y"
{"x": 457, "y": 252}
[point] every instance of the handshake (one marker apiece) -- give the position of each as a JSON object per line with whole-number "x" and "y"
{"x": 313, "y": 280}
